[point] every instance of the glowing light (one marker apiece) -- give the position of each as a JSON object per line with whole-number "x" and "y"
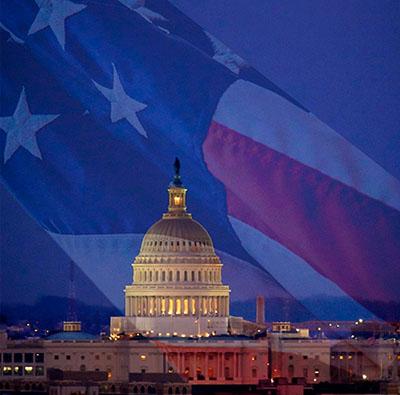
{"x": 178, "y": 306}
{"x": 168, "y": 334}
{"x": 364, "y": 376}
{"x": 186, "y": 306}
{"x": 177, "y": 200}
{"x": 341, "y": 357}
{"x": 143, "y": 357}
{"x": 360, "y": 320}
{"x": 315, "y": 380}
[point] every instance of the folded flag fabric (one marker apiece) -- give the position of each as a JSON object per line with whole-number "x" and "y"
{"x": 98, "y": 97}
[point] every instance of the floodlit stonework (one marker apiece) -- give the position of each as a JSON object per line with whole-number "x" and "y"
{"x": 177, "y": 281}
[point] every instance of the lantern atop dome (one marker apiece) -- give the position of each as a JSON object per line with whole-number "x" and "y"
{"x": 177, "y": 195}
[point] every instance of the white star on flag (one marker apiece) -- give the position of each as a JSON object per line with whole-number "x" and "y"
{"x": 53, "y": 13}
{"x": 21, "y": 128}
{"x": 122, "y": 105}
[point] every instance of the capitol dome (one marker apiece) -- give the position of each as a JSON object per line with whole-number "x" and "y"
{"x": 176, "y": 274}
{"x": 177, "y": 235}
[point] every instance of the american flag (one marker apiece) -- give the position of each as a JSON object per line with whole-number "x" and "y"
{"x": 98, "y": 97}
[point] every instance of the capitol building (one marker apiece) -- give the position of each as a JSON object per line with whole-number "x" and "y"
{"x": 177, "y": 287}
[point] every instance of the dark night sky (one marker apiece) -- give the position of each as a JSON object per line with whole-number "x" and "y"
{"x": 340, "y": 59}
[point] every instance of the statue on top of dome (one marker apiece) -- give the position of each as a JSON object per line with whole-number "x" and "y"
{"x": 177, "y": 178}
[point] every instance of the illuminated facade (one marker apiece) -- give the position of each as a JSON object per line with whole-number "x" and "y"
{"x": 177, "y": 284}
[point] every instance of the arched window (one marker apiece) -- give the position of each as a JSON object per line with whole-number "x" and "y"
{"x": 185, "y": 278}
{"x": 178, "y": 276}
{"x": 151, "y": 276}
{"x": 192, "y": 275}
{"x": 199, "y": 275}
{"x": 157, "y": 276}
{"x": 145, "y": 276}
{"x": 170, "y": 276}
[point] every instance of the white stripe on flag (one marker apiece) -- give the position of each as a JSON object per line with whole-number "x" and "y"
{"x": 269, "y": 119}
{"x": 105, "y": 259}
{"x": 291, "y": 271}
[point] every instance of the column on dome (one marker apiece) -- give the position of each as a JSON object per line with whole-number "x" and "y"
{"x": 150, "y": 306}
{"x": 135, "y": 306}
{"x": 192, "y": 305}
{"x": 127, "y": 307}
{"x": 157, "y": 310}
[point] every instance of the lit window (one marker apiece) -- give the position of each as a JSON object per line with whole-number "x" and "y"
{"x": 178, "y": 306}
{"x": 171, "y": 306}
{"x": 143, "y": 357}
{"x": 193, "y": 306}
{"x": 163, "y": 305}
{"x": 254, "y": 358}
{"x": 28, "y": 370}
{"x": 17, "y": 370}
{"x": 7, "y": 370}
{"x": 185, "y": 306}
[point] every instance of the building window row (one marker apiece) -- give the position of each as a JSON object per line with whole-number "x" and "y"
{"x": 157, "y": 276}
{"x": 18, "y": 357}
{"x": 22, "y": 370}
{"x": 177, "y": 243}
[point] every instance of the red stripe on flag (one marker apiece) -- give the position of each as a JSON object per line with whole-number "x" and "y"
{"x": 346, "y": 236}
